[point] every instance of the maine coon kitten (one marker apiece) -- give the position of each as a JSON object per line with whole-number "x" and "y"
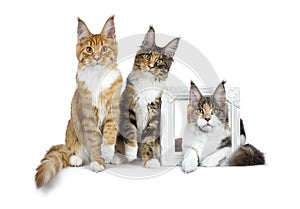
{"x": 141, "y": 102}
{"x": 207, "y": 137}
{"x": 93, "y": 126}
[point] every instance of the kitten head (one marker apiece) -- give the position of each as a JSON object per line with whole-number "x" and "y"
{"x": 97, "y": 49}
{"x": 153, "y": 59}
{"x": 207, "y": 111}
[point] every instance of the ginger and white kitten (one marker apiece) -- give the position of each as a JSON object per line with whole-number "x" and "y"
{"x": 207, "y": 136}
{"x": 92, "y": 130}
{"x": 141, "y": 102}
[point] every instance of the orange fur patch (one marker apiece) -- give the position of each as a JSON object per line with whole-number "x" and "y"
{"x": 83, "y": 130}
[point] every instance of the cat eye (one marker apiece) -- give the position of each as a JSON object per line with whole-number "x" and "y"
{"x": 147, "y": 56}
{"x": 159, "y": 62}
{"x": 104, "y": 49}
{"x": 200, "y": 111}
{"x": 89, "y": 49}
{"x": 214, "y": 111}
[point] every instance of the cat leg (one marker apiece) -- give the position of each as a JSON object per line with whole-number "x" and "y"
{"x": 151, "y": 154}
{"x": 128, "y": 135}
{"x": 131, "y": 149}
{"x": 151, "y": 136}
{"x": 110, "y": 131}
{"x": 190, "y": 161}
{"x": 128, "y": 132}
{"x": 216, "y": 158}
{"x": 93, "y": 136}
{"x": 84, "y": 122}
{"x": 97, "y": 162}
{"x": 74, "y": 145}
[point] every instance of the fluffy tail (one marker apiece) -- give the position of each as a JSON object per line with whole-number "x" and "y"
{"x": 55, "y": 159}
{"x": 247, "y": 155}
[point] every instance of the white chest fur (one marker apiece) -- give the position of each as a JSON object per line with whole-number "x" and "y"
{"x": 97, "y": 79}
{"x": 147, "y": 89}
{"x": 205, "y": 143}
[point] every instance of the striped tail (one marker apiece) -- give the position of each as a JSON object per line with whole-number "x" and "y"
{"x": 247, "y": 155}
{"x": 55, "y": 159}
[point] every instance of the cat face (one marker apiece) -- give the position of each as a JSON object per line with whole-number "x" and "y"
{"x": 97, "y": 49}
{"x": 153, "y": 59}
{"x": 208, "y": 111}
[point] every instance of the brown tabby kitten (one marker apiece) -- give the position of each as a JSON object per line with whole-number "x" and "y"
{"x": 141, "y": 102}
{"x": 92, "y": 129}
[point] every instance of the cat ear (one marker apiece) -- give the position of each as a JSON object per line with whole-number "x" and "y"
{"x": 195, "y": 95}
{"x": 82, "y": 30}
{"x": 108, "y": 30}
{"x": 171, "y": 47}
{"x": 220, "y": 94}
{"x": 149, "y": 39}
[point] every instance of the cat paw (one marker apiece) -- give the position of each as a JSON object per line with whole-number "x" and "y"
{"x": 96, "y": 167}
{"x": 107, "y": 152}
{"x": 131, "y": 157}
{"x": 153, "y": 163}
{"x": 118, "y": 159}
{"x": 131, "y": 152}
{"x": 75, "y": 161}
{"x": 209, "y": 164}
{"x": 189, "y": 166}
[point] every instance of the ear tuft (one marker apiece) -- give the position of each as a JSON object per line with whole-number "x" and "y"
{"x": 223, "y": 82}
{"x": 151, "y": 29}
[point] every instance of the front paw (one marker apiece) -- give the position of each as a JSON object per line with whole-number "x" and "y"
{"x": 131, "y": 152}
{"x": 107, "y": 152}
{"x": 96, "y": 167}
{"x": 189, "y": 166}
{"x": 153, "y": 163}
{"x": 131, "y": 157}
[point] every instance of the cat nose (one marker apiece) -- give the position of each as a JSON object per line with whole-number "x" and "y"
{"x": 97, "y": 58}
{"x": 207, "y": 119}
{"x": 151, "y": 65}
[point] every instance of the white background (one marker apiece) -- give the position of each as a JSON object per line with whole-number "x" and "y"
{"x": 253, "y": 44}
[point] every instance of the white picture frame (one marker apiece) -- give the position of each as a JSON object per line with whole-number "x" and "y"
{"x": 174, "y": 118}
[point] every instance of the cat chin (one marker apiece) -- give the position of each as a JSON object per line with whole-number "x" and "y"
{"x": 157, "y": 78}
{"x": 94, "y": 64}
{"x": 206, "y": 128}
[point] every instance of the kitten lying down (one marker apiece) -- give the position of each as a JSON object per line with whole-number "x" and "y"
{"x": 207, "y": 136}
